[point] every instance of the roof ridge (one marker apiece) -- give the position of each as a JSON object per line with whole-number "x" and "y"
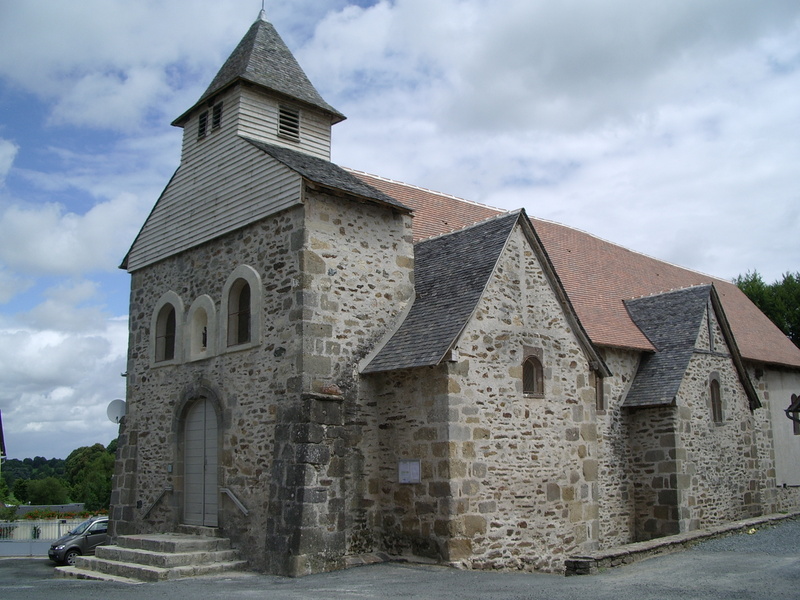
{"x": 631, "y": 250}
{"x": 428, "y": 190}
{"x": 671, "y": 291}
{"x": 505, "y": 211}
{"x": 508, "y": 213}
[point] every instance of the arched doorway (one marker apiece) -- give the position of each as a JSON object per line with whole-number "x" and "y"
{"x": 200, "y": 491}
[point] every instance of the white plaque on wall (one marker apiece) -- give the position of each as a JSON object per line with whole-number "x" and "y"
{"x": 408, "y": 471}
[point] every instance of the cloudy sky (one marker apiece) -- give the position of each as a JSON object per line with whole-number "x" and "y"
{"x": 672, "y": 128}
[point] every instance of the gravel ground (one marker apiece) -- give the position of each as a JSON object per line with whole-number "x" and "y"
{"x": 764, "y": 565}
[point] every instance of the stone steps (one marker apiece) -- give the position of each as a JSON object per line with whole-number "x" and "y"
{"x": 158, "y": 557}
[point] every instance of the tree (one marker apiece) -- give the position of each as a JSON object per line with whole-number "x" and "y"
{"x": 89, "y": 470}
{"x": 79, "y": 459}
{"x": 4, "y": 491}
{"x": 780, "y": 301}
{"x": 32, "y": 468}
{"x": 47, "y": 491}
{"x": 20, "y": 490}
{"x": 93, "y": 487}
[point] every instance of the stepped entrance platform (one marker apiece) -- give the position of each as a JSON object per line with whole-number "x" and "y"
{"x": 190, "y": 552}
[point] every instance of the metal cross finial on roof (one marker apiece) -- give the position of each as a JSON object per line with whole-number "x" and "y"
{"x": 263, "y": 14}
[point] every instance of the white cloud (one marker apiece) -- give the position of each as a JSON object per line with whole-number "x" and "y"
{"x": 12, "y": 284}
{"x": 47, "y": 239}
{"x": 68, "y": 307}
{"x": 110, "y": 100}
{"x": 668, "y": 128}
{"x": 8, "y": 151}
{"x": 98, "y": 57}
{"x": 57, "y": 384}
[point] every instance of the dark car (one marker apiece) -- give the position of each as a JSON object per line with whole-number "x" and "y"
{"x": 81, "y": 540}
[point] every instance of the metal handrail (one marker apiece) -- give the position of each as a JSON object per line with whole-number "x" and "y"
{"x": 235, "y": 500}
{"x": 161, "y": 495}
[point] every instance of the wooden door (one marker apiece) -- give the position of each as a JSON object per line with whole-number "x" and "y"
{"x": 200, "y": 465}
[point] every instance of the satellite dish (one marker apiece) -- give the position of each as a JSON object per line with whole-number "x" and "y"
{"x": 116, "y": 410}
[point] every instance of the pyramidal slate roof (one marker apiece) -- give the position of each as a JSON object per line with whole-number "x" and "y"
{"x": 451, "y": 273}
{"x": 326, "y": 173}
{"x": 671, "y": 321}
{"x": 263, "y": 58}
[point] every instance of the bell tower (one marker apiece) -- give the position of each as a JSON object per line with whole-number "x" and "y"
{"x": 261, "y": 93}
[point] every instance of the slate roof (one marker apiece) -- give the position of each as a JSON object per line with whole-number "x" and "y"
{"x": 326, "y": 173}
{"x": 671, "y": 321}
{"x": 599, "y": 275}
{"x": 263, "y": 58}
{"x": 451, "y": 274}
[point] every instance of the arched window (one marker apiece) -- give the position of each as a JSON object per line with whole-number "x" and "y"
{"x": 532, "y": 377}
{"x": 201, "y": 329}
{"x": 166, "y": 330}
{"x": 165, "y": 333}
{"x": 716, "y": 399}
{"x": 239, "y": 311}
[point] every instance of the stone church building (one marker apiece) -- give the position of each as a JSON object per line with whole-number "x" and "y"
{"x": 325, "y": 364}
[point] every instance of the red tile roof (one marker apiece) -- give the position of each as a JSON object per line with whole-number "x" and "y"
{"x": 434, "y": 213}
{"x": 598, "y": 276}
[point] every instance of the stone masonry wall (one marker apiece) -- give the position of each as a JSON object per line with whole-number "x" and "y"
{"x": 689, "y": 471}
{"x": 357, "y": 275}
{"x": 410, "y": 423}
{"x": 721, "y": 476}
{"x": 335, "y": 274}
{"x": 524, "y": 469}
{"x": 615, "y": 481}
{"x": 246, "y": 386}
{"x": 654, "y": 452}
{"x": 508, "y": 481}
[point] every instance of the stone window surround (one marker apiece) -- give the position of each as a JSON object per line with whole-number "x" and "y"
{"x": 537, "y": 355}
{"x": 203, "y": 305}
{"x": 167, "y": 299}
{"x": 715, "y": 399}
{"x": 251, "y": 276}
{"x": 217, "y": 324}
{"x": 600, "y": 395}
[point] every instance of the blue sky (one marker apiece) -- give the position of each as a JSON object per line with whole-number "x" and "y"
{"x": 672, "y": 128}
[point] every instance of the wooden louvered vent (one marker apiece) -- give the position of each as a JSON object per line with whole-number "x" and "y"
{"x": 216, "y": 119}
{"x": 289, "y": 123}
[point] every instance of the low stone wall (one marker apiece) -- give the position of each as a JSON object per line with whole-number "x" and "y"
{"x": 591, "y": 564}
